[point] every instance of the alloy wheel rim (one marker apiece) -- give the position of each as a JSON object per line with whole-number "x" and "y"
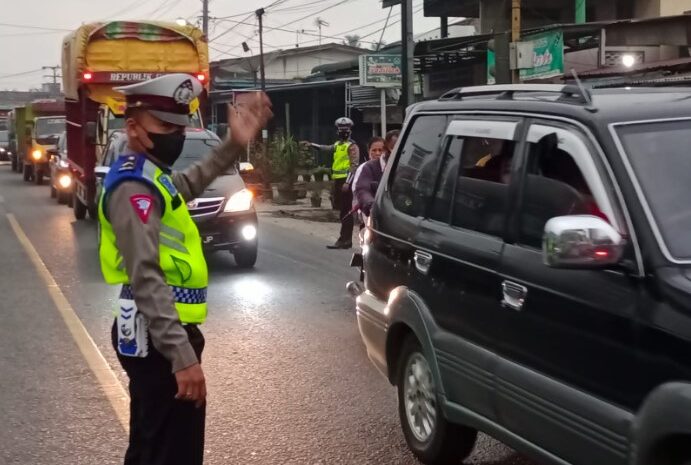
{"x": 420, "y": 400}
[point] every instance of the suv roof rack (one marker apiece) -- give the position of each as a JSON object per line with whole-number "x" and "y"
{"x": 506, "y": 91}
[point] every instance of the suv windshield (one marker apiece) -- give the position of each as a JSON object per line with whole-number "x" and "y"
{"x": 47, "y": 127}
{"x": 657, "y": 151}
{"x": 194, "y": 150}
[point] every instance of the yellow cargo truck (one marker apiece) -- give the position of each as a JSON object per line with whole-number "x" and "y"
{"x": 100, "y": 56}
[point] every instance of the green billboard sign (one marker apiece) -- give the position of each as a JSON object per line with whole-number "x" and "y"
{"x": 380, "y": 70}
{"x": 547, "y": 57}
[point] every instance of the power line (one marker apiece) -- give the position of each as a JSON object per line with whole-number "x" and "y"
{"x": 419, "y": 7}
{"x": 24, "y": 26}
{"x": 271, "y": 28}
{"x": 132, "y": 6}
{"x": 168, "y": 9}
{"x": 384, "y": 29}
{"x": 341, "y": 2}
{"x": 24, "y": 73}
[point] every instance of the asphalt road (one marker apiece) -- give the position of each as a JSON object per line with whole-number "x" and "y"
{"x": 289, "y": 379}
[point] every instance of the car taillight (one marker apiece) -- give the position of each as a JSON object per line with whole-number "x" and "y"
{"x": 87, "y": 76}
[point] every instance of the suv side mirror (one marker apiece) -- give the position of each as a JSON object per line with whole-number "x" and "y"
{"x": 90, "y": 132}
{"x": 581, "y": 242}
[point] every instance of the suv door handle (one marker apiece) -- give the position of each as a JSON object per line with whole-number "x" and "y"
{"x": 423, "y": 261}
{"x": 514, "y": 295}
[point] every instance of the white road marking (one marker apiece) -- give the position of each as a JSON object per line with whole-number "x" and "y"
{"x": 113, "y": 390}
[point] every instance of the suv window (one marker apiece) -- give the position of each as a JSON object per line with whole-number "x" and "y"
{"x": 416, "y": 169}
{"x": 472, "y": 191}
{"x": 554, "y": 186}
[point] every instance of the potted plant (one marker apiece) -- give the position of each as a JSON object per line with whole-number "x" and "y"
{"x": 316, "y": 198}
{"x": 262, "y": 164}
{"x": 287, "y": 156}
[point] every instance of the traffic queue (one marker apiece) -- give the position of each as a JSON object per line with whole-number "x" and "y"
{"x": 70, "y": 142}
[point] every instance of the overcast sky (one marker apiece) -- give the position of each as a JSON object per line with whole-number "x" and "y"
{"x": 31, "y": 31}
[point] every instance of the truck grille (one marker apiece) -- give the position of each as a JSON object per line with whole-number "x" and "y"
{"x": 205, "y": 207}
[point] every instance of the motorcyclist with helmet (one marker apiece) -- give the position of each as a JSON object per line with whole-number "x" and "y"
{"x": 346, "y": 158}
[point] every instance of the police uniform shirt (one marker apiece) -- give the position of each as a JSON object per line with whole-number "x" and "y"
{"x": 138, "y": 241}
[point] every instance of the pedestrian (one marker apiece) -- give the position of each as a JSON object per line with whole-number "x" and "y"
{"x": 368, "y": 176}
{"x": 150, "y": 245}
{"x": 346, "y": 158}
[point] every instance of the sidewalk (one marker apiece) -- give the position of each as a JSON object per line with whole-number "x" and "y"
{"x": 320, "y": 222}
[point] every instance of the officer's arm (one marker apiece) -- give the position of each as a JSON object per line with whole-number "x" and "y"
{"x": 354, "y": 156}
{"x": 192, "y": 181}
{"x": 136, "y": 235}
{"x": 322, "y": 148}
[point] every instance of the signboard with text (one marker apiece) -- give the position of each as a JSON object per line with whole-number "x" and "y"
{"x": 547, "y": 55}
{"x": 380, "y": 70}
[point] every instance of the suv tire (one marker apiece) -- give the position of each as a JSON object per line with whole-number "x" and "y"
{"x": 246, "y": 257}
{"x": 441, "y": 443}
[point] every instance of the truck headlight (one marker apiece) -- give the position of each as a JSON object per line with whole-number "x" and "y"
{"x": 37, "y": 154}
{"x": 239, "y": 202}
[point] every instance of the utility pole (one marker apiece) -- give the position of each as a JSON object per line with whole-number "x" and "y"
{"x": 55, "y": 73}
{"x": 55, "y": 89}
{"x": 260, "y": 14}
{"x": 205, "y": 18}
{"x": 408, "y": 50}
{"x": 515, "y": 34}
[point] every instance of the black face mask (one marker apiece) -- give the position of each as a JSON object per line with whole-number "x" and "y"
{"x": 167, "y": 147}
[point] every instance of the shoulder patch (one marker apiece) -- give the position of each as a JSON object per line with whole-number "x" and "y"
{"x": 142, "y": 205}
{"x": 167, "y": 182}
{"x": 130, "y": 164}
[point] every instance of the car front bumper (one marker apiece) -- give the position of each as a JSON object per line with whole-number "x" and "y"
{"x": 224, "y": 232}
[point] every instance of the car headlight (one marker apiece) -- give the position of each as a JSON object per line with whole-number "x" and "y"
{"x": 37, "y": 154}
{"x": 239, "y": 202}
{"x": 63, "y": 164}
{"x": 2, "y": 150}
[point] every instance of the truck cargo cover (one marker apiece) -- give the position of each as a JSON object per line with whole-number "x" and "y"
{"x": 128, "y": 49}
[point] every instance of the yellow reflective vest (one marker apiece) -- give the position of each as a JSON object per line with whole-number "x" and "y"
{"x": 341, "y": 163}
{"x": 180, "y": 246}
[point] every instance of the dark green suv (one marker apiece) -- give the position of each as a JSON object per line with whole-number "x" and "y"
{"x": 527, "y": 273}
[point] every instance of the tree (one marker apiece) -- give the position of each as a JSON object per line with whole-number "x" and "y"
{"x": 378, "y": 46}
{"x": 352, "y": 40}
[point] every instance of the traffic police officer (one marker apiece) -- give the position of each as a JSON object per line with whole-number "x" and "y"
{"x": 346, "y": 158}
{"x": 150, "y": 245}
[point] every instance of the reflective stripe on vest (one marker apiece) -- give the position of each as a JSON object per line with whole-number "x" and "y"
{"x": 180, "y": 246}
{"x": 341, "y": 163}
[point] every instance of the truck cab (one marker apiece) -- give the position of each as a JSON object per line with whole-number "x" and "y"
{"x": 45, "y": 132}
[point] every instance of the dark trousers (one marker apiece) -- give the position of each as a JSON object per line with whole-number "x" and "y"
{"x": 163, "y": 430}
{"x": 343, "y": 202}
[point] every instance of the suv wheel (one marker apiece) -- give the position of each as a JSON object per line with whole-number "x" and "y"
{"x": 430, "y": 437}
{"x": 246, "y": 257}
